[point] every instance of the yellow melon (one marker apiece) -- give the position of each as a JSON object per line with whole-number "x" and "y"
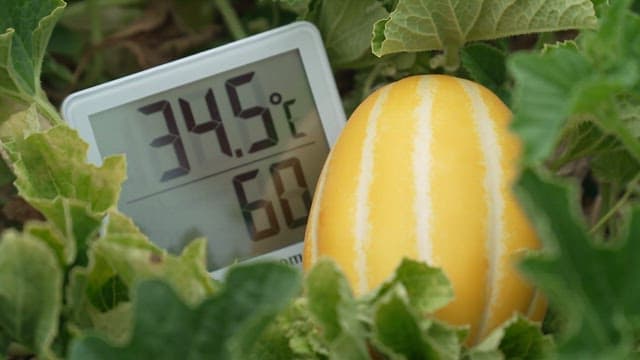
{"x": 424, "y": 169}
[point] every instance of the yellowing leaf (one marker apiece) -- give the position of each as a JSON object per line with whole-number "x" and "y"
{"x": 224, "y": 326}
{"x": 30, "y": 292}
{"x": 54, "y": 177}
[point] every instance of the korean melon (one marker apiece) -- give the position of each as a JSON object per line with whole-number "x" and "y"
{"x": 424, "y": 169}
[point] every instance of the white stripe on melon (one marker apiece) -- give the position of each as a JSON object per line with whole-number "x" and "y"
{"x": 424, "y": 170}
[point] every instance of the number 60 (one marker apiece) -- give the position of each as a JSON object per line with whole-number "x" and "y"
{"x": 248, "y": 208}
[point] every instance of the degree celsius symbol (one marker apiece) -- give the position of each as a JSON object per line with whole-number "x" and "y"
{"x": 276, "y": 99}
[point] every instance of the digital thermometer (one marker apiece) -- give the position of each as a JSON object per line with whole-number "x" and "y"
{"x": 227, "y": 144}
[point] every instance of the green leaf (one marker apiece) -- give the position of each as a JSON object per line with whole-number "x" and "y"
{"x": 5, "y": 341}
{"x": 542, "y": 97}
{"x": 447, "y": 25}
{"x": 9, "y": 107}
{"x": 30, "y": 292}
{"x": 427, "y": 288}
{"x": 116, "y": 324}
{"x": 298, "y": 331}
{"x": 273, "y": 345}
{"x": 517, "y": 338}
{"x": 225, "y": 326}
{"x": 595, "y": 285}
{"x": 20, "y": 124}
{"x": 114, "y": 16}
{"x": 609, "y": 159}
{"x": 406, "y": 334}
{"x": 300, "y": 7}
{"x": 333, "y": 307}
{"x": 486, "y": 65}
{"x": 25, "y": 30}
{"x": 53, "y": 165}
{"x": 54, "y": 177}
{"x": 134, "y": 259}
{"x": 346, "y": 29}
{"x": 27, "y": 26}
{"x": 590, "y": 82}
{"x": 118, "y": 261}
{"x": 64, "y": 247}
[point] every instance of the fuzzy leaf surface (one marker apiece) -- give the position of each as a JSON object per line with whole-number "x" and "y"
{"x": 447, "y": 25}
{"x": 30, "y": 292}
{"x": 517, "y": 338}
{"x": 592, "y": 81}
{"x": 54, "y": 177}
{"x": 594, "y": 285}
{"x": 332, "y": 305}
{"x": 427, "y": 288}
{"x": 225, "y": 326}
{"x": 405, "y": 333}
{"x": 346, "y": 28}
{"x": 25, "y": 29}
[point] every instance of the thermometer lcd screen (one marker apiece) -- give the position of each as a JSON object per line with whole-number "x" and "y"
{"x": 235, "y": 155}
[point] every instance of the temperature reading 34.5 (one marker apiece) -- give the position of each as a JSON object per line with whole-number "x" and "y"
{"x": 215, "y": 123}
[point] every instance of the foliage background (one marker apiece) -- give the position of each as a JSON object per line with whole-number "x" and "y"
{"x": 73, "y": 287}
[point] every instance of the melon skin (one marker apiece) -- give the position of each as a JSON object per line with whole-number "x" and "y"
{"x": 423, "y": 170}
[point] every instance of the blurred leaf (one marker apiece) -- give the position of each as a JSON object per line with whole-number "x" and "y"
{"x": 19, "y": 125}
{"x": 272, "y": 345}
{"x": 541, "y": 98}
{"x": 114, "y": 15}
{"x": 5, "y": 341}
{"x": 56, "y": 72}
{"x": 594, "y": 285}
{"x": 517, "y": 338}
{"x": 195, "y": 14}
{"x": 427, "y": 289}
{"x": 406, "y": 334}
{"x": 346, "y": 29}
{"x": 53, "y": 164}
{"x": 332, "y": 306}
{"x": 48, "y": 233}
{"x": 447, "y": 25}
{"x": 564, "y": 83}
{"x": 53, "y": 176}
{"x": 133, "y": 259}
{"x": 66, "y": 42}
{"x": 294, "y": 335}
{"x": 25, "y": 28}
{"x": 116, "y": 323}
{"x": 30, "y": 292}
{"x": 486, "y": 65}
{"x": 6, "y": 175}
{"x": 300, "y": 7}
{"x": 123, "y": 258}
{"x": 225, "y": 326}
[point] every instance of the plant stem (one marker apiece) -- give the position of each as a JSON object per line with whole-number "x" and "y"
{"x": 48, "y": 110}
{"x": 616, "y": 207}
{"x": 93, "y": 12}
{"x": 81, "y": 7}
{"x": 231, "y": 19}
{"x": 371, "y": 78}
{"x": 275, "y": 13}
